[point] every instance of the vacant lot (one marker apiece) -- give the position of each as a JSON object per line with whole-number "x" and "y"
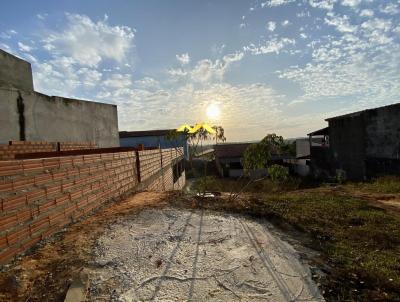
{"x": 141, "y": 249}
{"x": 356, "y": 227}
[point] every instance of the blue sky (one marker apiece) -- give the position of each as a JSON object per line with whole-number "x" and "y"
{"x": 270, "y": 66}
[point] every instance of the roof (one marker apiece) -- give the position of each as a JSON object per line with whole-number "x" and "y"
{"x": 358, "y": 113}
{"x": 230, "y": 149}
{"x": 123, "y": 134}
{"x": 323, "y": 131}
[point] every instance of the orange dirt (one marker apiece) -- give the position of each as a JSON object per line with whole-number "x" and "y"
{"x": 48, "y": 270}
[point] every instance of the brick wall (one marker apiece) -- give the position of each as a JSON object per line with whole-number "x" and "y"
{"x": 67, "y": 146}
{"x": 8, "y": 152}
{"x": 161, "y": 180}
{"x": 40, "y": 196}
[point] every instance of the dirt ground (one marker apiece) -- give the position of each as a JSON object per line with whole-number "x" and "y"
{"x": 45, "y": 273}
{"x": 142, "y": 249}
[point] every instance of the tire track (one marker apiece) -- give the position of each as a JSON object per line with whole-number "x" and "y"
{"x": 268, "y": 264}
{"x": 170, "y": 258}
{"x": 194, "y": 272}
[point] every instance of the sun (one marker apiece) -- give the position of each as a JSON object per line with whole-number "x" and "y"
{"x": 213, "y": 111}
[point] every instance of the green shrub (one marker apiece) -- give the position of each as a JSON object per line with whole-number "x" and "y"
{"x": 278, "y": 173}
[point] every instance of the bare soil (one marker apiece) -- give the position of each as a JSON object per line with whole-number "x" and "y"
{"x": 142, "y": 249}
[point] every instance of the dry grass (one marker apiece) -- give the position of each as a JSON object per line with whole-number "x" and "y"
{"x": 359, "y": 242}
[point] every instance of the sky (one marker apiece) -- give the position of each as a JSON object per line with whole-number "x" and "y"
{"x": 269, "y": 66}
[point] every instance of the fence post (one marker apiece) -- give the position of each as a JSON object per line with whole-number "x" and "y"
{"x": 138, "y": 166}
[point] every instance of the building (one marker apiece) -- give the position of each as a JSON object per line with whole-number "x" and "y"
{"x": 153, "y": 138}
{"x": 27, "y": 115}
{"x": 229, "y": 158}
{"x": 300, "y": 164}
{"x": 361, "y": 145}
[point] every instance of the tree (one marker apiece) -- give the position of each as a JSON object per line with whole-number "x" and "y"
{"x": 196, "y": 136}
{"x": 257, "y": 155}
{"x": 219, "y": 134}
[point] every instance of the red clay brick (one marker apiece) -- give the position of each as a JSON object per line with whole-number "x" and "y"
{"x": 24, "y": 215}
{"x": 51, "y": 163}
{"x": 32, "y": 165}
{"x": 80, "y": 181}
{"x": 54, "y": 218}
{"x": 13, "y": 169}
{"x": 31, "y": 242}
{"x": 62, "y": 200}
{"x": 77, "y": 160}
{"x": 39, "y": 224}
{"x": 59, "y": 175}
{"x": 49, "y": 232}
{"x": 13, "y": 203}
{"x": 75, "y": 195}
{"x": 7, "y": 255}
{"x": 3, "y": 242}
{"x": 46, "y": 206}
{"x": 67, "y": 185}
{"x": 82, "y": 203}
{"x": 66, "y": 161}
{"x": 53, "y": 189}
{"x": 84, "y": 170}
{"x": 69, "y": 210}
{"x": 43, "y": 178}
{"x": 36, "y": 194}
{"x": 5, "y": 186}
{"x": 72, "y": 172}
{"x": 34, "y": 211}
{"x": 17, "y": 236}
{"x": 23, "y": 183}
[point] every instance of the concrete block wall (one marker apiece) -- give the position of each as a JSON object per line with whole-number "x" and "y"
{"x": 40, "y": 196}
{"x": 15, "y": 72}
{"x": 9, "y": 151}
{"x": 32, "y": 116}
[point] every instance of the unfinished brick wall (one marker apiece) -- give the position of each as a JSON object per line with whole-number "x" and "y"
{"x": 17, "y": 147}
{"x": 39, "y": 196}
{"x": 161, "y": 180}
{"x": 67, "y": 146}
{"x": 9, "y": 151}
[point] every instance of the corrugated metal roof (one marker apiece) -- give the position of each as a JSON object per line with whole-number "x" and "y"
{"x": 323, "y": 131}
{"x": 230, "y": 149}
{"x": 162, "y": 132}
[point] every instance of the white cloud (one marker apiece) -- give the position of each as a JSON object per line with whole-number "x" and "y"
{"x": 391, "y": 9}
{"x": 272, "y": 3}
{"x": 233, "y": 57}
{"x": 147, "y": 83}
{"x": 341, "y": 23}
{"x": 274, "y": 45}
{"x": 24, "y": 47}
{"x": 322, "y": 4}
{"x": 183, "y": 58}
{"x": 366, "y": 13}
{"x": 41, "y": 16}
{"x": 206, "y": 70}
{"x": 271, "y": 26}
{"x": 8, "y": 34}
{"x": 285, "y": 23}
{"x": 88, "y": 42}
{"x": 351, "y": 66}
{"x": 118, "y": 81}
{"x": 351, "y": 3}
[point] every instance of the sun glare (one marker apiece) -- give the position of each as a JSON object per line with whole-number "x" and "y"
{"x": 213, "y": 112}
